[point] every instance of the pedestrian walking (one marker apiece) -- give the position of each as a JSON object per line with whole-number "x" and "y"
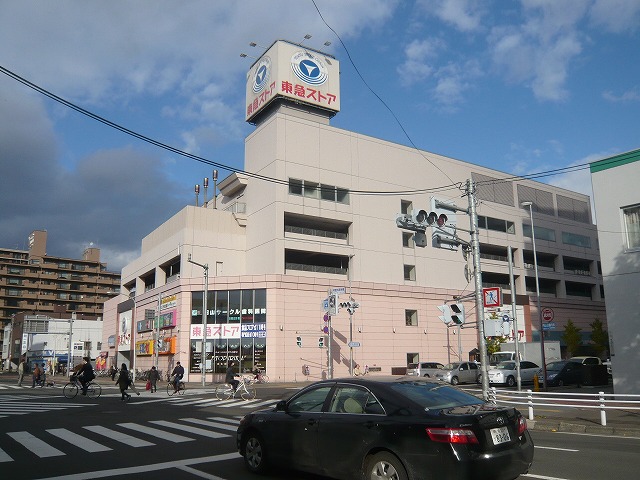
{"x": 112, "y": 371}
{"x": 21, "y": 371}
{"x": 132, "y": 384}
{"x": 123, "y": 382}
{"x": 154, "y": 376}
{"x": 36, "y": 375}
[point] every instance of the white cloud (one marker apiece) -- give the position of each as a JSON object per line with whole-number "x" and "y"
{"x": 464, "y": 15}
{"x": 629, "y": 96}
{"x": 616, "y": 15}
{"x": 418, "y": 55}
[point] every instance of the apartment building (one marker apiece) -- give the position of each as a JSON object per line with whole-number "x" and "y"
{"x": 315, "y": 212}
{"x": 39, "y": 284}
{"x": 617, "y": 204}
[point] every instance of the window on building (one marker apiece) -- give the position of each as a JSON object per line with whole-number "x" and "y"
{"x": 405, "y": 207}
{"x": 497, "y": 224}
{"x": 413, "y": 358}
{"x": 574, "y": 239}
{"x": 323, "y": 191}
{"x": 407, "y": 240}
{"x": 410, "y": 272}
{"x": 631, "y": 219}
{"x": 411, "y": 318}
{"x": 541, "y": 233}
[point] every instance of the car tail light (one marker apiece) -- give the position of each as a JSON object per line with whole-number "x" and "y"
{"x": 522, "y": 425}
{"x": 452, "y": 435}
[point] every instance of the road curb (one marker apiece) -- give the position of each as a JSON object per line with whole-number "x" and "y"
{"x": 561, "y": 426}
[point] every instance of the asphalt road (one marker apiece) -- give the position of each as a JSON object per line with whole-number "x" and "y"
{"x": 44, "y": 435}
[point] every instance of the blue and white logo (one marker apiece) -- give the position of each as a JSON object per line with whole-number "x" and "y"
{"x": 262, "y": 75}
{"x": 309, "y": 68}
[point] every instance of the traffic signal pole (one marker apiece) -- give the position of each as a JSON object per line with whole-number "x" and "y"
{"x": 475, "y": 247}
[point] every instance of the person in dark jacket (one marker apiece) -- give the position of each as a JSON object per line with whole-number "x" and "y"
{"x": 85, "y": 375}
{"x": 154, "y": 376}
{"x": 230, "y": 376}
{"x": 123, "y": 382}
{"x": 112, "y": 371}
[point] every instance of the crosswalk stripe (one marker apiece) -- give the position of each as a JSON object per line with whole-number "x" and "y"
{"x": 264, "y": 402}
{"x": 78, "y": 440}
{"x": 4, "y": 457}
{"x": 187, "y": 428}
{"x": 35, "y": 445}
{"x": 118, "y": 436}
{"x": 154, "y": 432}
{"x": 206, "y": 423}
{"x": 191, "y": 401}
{"x": 233, "y": 421}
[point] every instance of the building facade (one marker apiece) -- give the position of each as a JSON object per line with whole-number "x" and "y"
{"x": 39, "y": 284}
{"x": 617, "y": 204}
{"x": 315, "y": 212}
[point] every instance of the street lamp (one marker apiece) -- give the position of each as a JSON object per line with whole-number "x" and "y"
{"x": 535, "y": 266}
{"x": 203, "y": 362}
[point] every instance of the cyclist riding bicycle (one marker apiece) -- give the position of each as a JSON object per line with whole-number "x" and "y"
{"x": 230, "y": 376}
{"x": 85, "y": 375}
{"x": 178, "y": 373}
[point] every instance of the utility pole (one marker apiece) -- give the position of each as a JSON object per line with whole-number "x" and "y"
{"x": 203, "y": 361}
{"x": 475, "y": 247}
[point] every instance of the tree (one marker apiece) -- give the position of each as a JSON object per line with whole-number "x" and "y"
{"x": 493, "y": 344}
{"x": 572, "y": 338}
{"x": 599, "y": 337}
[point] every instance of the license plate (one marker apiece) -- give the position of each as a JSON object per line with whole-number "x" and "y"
{"x": 500, "y": 435}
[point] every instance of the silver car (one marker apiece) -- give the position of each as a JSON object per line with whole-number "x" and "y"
{"x": 459, "y": 372}
{"x": 424, "y": 369}
{"x": 505, "y": 373}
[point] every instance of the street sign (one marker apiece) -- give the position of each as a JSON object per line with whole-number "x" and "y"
{"x": 338, "y": 291}
{"x": 548, "y": 326}
{"x": 325, "y": 305}
{"x": 506, "y": 318}
{"x": 492, "y": 297}
{"x": 547, "y": 314}
{"x": 354, "y": 344}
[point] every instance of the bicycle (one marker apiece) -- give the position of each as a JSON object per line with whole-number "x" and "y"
{"x": 225, "y": 391}
{"x": 171, "y": 388}
{"x": 71, "y": 389}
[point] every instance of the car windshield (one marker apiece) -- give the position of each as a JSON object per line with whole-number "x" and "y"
{"x": 412, "y": 366}
{"x": 555, "y": 366}
{"x": 451, "y": 366}
{"x": 506, "y": 366}
{"x": 433, "y": 396}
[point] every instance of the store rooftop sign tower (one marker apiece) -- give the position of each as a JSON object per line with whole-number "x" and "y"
{"x": 295, "y": 75}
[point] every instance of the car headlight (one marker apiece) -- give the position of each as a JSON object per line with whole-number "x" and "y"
{"x": 552, "y": 375}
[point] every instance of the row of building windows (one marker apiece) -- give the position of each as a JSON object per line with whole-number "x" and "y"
{"x": 317, "y": 190}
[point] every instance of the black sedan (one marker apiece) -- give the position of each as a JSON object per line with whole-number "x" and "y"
{"x": 563, "y": 372}
{"x": 387, "y": 428}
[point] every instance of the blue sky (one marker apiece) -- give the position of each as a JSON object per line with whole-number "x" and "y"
{"x": 519, "y": 86}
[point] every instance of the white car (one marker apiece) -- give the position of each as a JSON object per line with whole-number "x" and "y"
{"x": 424, "y": 369}
{"x": 459, "y": 372}
{"x": 505, "y": 373}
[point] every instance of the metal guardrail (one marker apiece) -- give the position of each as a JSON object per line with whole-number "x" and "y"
{"x": 601, "y": 400}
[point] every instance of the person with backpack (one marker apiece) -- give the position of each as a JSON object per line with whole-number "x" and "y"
{"x": 85, "y": 375}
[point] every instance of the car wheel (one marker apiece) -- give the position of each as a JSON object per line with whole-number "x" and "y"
{"x": 454, "y": 380}
{"x": 511, "y": 381}
{"x": 384, "y": 465}
{"x": 561, "y": 383}
{"x": 479, "y": 380}
{"x": 426, "y": 375}
{"x": 254, "y": 453}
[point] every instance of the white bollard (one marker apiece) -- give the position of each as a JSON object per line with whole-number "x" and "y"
{"x": 603, "y": 412}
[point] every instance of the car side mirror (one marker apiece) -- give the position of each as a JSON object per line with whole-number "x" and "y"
{"x": 281, "y": 406}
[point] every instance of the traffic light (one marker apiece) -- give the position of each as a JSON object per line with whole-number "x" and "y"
{"x": 299, "y": 341}
{"x": 419, "y": 217}
{"x": 321, "y": 342}
{"x": 351, "y": 306}
{"x": 457, "y": 313}
{"x": 333, "y": 304}
{"x": 446, "y": 314}
{"x": 440, "y": 219}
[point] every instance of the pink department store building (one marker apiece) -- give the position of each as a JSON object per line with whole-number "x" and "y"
{"x": 277, "y": 239}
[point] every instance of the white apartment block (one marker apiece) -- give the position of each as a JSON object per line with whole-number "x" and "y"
{"x": 617, "y": 204}
{"x": 315, "y": 210}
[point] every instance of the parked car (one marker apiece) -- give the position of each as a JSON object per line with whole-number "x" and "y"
{"x": 460, "y": 372}
{"x": 396, "y": 427}
{"x": 505, "y": 373}
{"x": 424, "y": 369}
{"x": 586, "y": 360}
{"x": 564, "y": 372}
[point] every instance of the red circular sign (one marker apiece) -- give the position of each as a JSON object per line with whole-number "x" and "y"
{"x": 547, "y": 314}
